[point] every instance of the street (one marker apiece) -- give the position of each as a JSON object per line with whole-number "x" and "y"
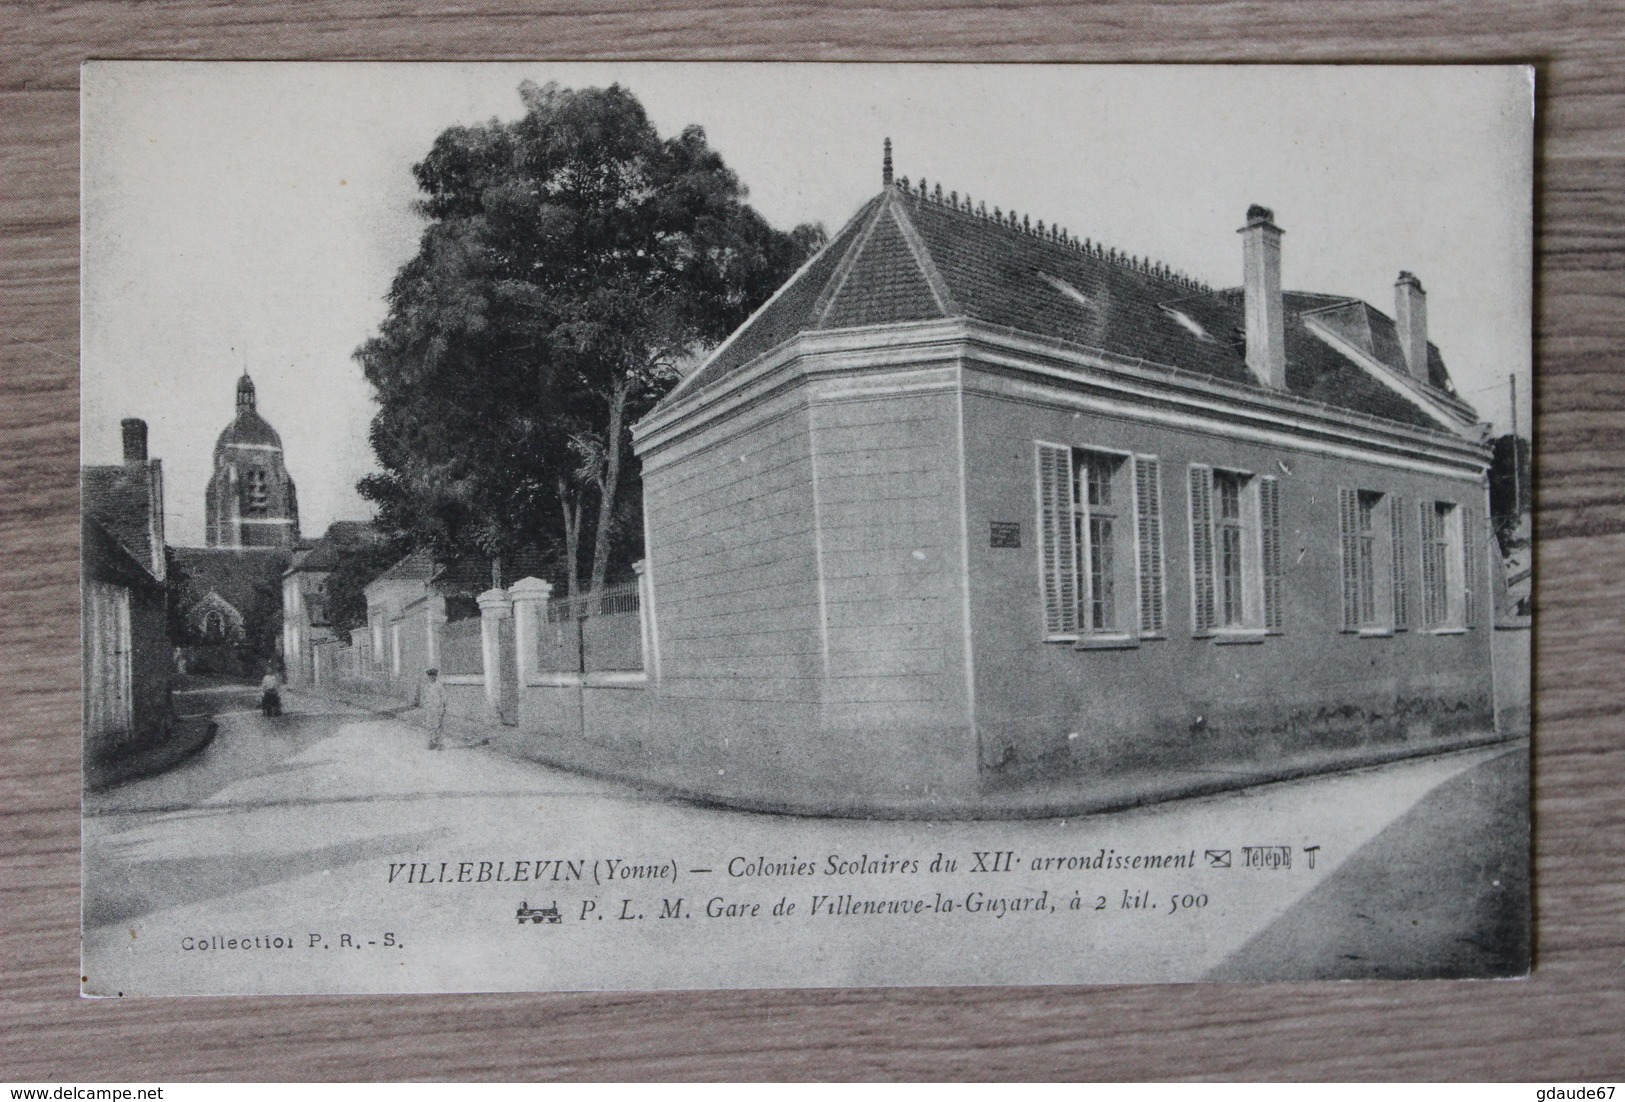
{"x": 334, "y": 852}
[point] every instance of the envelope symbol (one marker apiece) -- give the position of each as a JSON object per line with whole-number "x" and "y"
{"x": 1218, "y": 858}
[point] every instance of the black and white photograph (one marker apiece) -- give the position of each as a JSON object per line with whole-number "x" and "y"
{"x": 645, "y": 526}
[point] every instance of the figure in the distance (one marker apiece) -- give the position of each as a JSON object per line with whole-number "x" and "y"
{"x": 432, "y": 699}
{"x": 271, "y": 693}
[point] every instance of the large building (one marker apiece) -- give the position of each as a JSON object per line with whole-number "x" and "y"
{"x": 250, "y": 499}
{"x": 229, "y": 593}
{"x": 973, "y": 506}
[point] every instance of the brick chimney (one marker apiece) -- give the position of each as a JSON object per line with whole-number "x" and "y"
{"x": 135, "y": 440}
{"x": 1411, "y": 320}
{"x": 1261, "y": 286}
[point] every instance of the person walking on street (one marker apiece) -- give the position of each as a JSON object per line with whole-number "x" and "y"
{"x": 432, "y": 699}
{"x": 270, "y": 694}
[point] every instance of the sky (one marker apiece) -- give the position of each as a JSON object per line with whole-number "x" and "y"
{"x": 252, "y": 215}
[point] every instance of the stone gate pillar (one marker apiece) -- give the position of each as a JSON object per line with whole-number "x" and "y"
{"x": 434, "y": 620}
{"x": 359, "y": 639}
{"x": 530, "y": 597}
{"x": 645, "y": 611}
{"x": 495, "y": 607}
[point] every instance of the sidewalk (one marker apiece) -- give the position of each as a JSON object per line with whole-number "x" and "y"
{"x": 189, "y": 736}
{"x": 1048, "y": 797}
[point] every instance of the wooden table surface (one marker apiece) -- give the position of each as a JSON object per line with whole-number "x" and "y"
{"x": 1563, "y": 1024}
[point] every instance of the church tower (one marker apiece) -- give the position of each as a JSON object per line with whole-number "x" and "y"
{"x": 250, "y": 501}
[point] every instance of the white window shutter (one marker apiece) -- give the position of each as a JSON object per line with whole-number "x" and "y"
{"x": 1348, "y": 523}
{"x": 1148, "y": 518}
{"x": 1201, "y": 493}
{"x": 1057, "y": 556}
{"x": 1269, "y": 509}
{"x": 1470, "y": 548}
{"x": 1397, "y": 557}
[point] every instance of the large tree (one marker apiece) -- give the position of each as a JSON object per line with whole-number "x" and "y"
{"x": 345, "y": 589}
{"x": 573, "y": 262}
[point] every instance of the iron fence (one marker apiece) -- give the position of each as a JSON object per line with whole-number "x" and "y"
{"x": 593, "y": 633}
{"x": 609, "y": 601}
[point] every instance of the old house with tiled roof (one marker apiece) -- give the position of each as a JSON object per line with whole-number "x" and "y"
{"x": 127, "y": 659}
{"x": 973, "y": 509}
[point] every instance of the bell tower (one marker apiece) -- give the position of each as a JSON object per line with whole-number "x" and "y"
{"x": 250, "y": 501}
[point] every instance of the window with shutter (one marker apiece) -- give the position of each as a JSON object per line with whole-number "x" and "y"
{"x": 1368, "y": 561}
{"x": 1446, "y": 566}
{"x": 1100, "y": 545}
{"x": 1235, "y": 554}
{"x": 1230, "y": 550}
{"x": 1201, "y": 501}
{"x": 1365, "y": 572}
{"x": 1269, "y": 509}
{"x": 1148, "y": 521}
{"x": 1104, "y": 540}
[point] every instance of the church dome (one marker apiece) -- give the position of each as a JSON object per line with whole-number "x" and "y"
{"x": 248, "y": 427}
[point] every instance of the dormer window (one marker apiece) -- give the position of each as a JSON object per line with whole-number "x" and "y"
{"x": 1068, "y": 290}
{"x": 1189, "y": 323}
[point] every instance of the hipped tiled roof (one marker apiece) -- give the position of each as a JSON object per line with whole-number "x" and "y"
{"x": 416, "y": 566}
{"x": 910, "y": 257}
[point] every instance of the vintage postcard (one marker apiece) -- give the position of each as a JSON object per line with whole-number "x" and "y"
{"x": 644, "y": 526}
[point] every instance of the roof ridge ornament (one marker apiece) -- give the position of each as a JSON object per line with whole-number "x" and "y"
{"x": 1052, "y": 232}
